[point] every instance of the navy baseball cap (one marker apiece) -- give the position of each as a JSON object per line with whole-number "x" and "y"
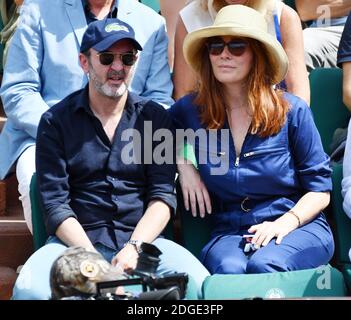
{"x": 102, "y": 34}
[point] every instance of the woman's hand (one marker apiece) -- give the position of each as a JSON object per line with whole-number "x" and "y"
{"x": 194, "y": 190}
{"x": 126, "y": 259}
{"x": 266, "y": 231}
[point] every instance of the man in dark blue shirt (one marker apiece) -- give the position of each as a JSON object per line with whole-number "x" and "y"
{"x": 50, "y": 34}
{"x": 100, "y": 180}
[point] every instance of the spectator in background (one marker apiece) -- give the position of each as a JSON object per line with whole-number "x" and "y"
{"x": 170, "y": 10}
{"x": 326, "y": 20}
{"x": 346, "y": 181}
{"x": 283, "y": 23}
{"x": 43, "y": 68}
{"x": 344, "y": 61}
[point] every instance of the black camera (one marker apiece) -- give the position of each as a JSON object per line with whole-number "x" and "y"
{"x": 155, "y": 287}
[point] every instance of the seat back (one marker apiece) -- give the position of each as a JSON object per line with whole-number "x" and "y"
{"x": 195, "y": 232}
{"x": 153, "y": 4}
{"x": 319, "y": 282}
{"x": 39, "y": 230}
{"x": 327, "y": 106}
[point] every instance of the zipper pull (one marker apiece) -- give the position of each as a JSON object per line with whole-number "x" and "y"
{"x": 236, "y": 164}
{"x": 249, "y": 154}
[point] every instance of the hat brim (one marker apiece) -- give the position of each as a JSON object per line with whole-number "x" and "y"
{"x": 194, "y": 42}
{"x": 111, "y": 40}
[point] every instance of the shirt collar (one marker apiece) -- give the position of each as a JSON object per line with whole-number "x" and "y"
{"x": 131, "y": 106}
{"x": 83, "y": 100}
{"x": 113, "y": 12}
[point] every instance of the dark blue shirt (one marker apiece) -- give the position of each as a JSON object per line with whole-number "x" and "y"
{"x": 81, "y": 173}
{"x": 91, "y": 17}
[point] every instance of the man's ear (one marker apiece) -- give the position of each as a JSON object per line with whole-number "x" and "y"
{"x": 84, "y": 62}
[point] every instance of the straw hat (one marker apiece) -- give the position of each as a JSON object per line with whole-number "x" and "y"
{"x": 238, "y": 21}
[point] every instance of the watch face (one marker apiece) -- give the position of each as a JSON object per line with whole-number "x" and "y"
{"x": 136, "y": 244}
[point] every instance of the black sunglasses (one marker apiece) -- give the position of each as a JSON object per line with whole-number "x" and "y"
{"x": 107, "y": 58}
{"x": 235, "y": 47}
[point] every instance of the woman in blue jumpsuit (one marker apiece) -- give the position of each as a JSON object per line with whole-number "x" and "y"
{"x": 261, "y": 165}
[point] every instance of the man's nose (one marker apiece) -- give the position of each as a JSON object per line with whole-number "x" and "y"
{"x": 117, "y": 63}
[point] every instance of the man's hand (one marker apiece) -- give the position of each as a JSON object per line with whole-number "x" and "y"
{"x": 126, "y": 259}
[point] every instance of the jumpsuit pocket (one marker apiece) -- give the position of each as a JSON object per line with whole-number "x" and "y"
{"x": 214, "y": 160}
{"x": 206, "y": 155}
{"x": 264, "y": 152}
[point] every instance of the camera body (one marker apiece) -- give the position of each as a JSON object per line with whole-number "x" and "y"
{"x": 154, "y": 287}
{"x": 79, "y": 274}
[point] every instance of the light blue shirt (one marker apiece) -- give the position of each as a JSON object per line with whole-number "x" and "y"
{"x": 334, "y": 22}
{"x": 43, "y": 67}
{"x": 346, "y": 181}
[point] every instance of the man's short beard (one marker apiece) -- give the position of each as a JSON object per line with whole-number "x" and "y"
{"x": 104, "y": 88}
{"x": 108, "y": 91}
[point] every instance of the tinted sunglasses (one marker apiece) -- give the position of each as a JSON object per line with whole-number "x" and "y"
{"x": 107, "y": 58}
{"x": 235, "y": 47}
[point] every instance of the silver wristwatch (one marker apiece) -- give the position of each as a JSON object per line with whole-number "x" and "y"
{"x": 136, "y": 244}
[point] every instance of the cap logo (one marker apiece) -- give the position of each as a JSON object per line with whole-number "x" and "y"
{"x": 116, "y": 27}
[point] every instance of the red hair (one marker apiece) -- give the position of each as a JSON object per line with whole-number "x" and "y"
{"x": 267, "y": 105}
